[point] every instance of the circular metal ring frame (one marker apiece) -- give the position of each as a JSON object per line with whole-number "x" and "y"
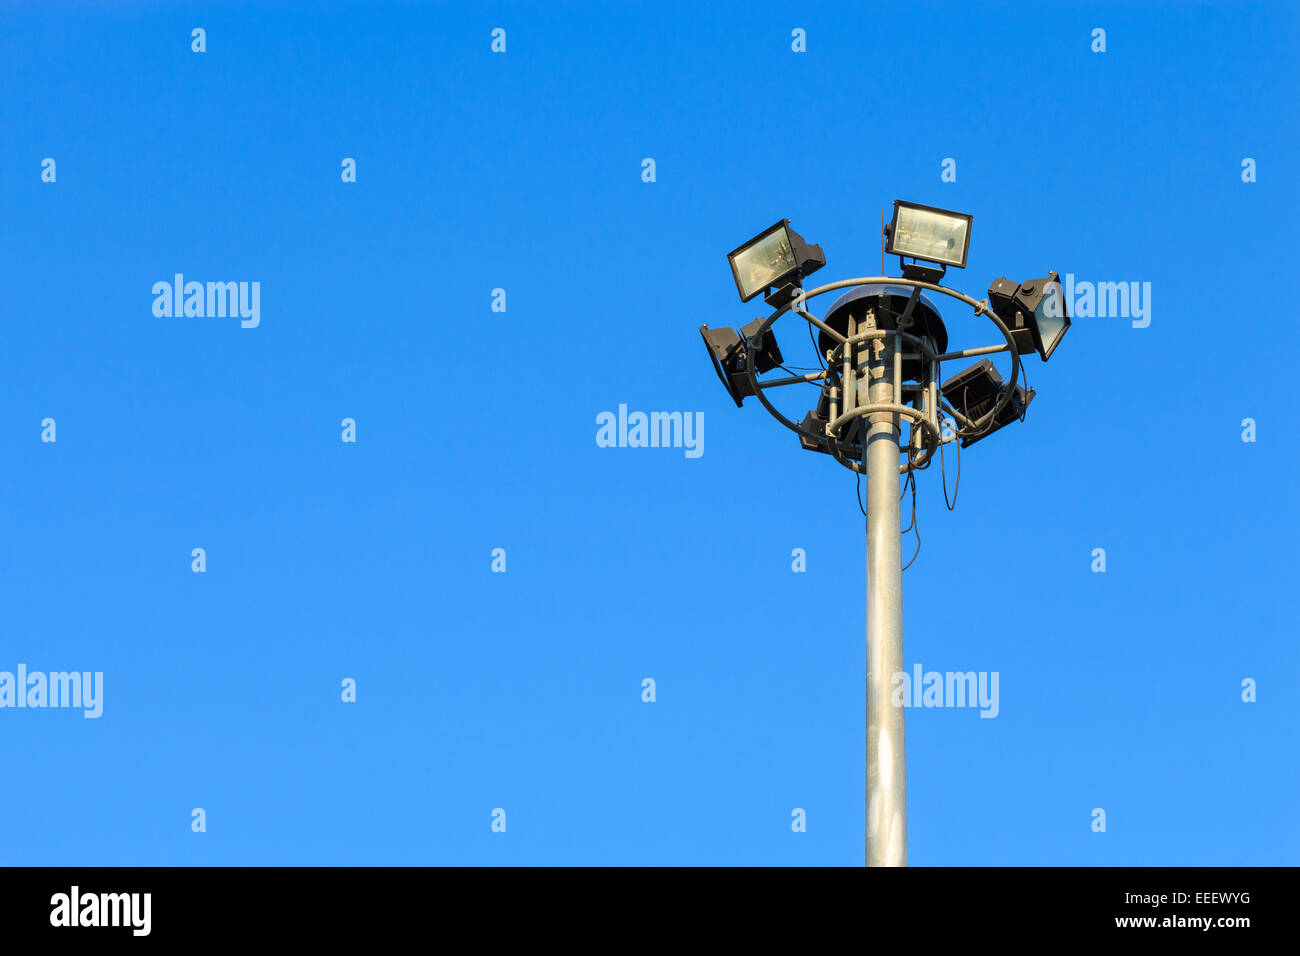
{"x": 932, "y": 439}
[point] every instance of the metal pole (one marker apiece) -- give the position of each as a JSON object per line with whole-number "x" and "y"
{"x": 886, "y": 763}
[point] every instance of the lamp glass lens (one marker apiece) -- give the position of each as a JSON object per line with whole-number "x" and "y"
{"x": 929, "y": 235}
{"x": 1050, "y": 316}
{"x": 761, "y": 264}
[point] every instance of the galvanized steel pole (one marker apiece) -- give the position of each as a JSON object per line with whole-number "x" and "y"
{"x": 886, "y": 761}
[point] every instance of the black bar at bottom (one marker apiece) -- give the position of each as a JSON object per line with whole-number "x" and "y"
{"x": 338, "y": 905}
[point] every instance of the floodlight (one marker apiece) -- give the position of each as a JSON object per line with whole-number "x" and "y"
{"x": 767, "y": 356}
{"x": 816, "y": 421}
{"x": 975, "y": 391}
{"x": 929, "y": 233}
{"x": 774, "y": 258}
{"x": 1035, "y": 312}
{"x": 730, "y": 353}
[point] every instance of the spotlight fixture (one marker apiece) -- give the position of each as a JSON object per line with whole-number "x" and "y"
{"x": 816, "y": 421}
{"x": 730, "y": 353}
{"x": 768, "y": 354}
{"x": 777, "y": 257}
{"x": 1035, "y": 312}
{"x": 974, "y": 391}
{"x": 928, "y": 233}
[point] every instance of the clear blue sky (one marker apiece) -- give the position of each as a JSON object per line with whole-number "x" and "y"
{"x": 476, "y": 430}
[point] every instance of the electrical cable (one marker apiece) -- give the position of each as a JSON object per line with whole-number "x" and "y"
{"x": 914, "y": 526}
{"x": 943, "y": 470}
{"x": 911, "y": 480}
{"x": 797, "y": 374}
{"x": 812, "y": 338}
{"x": 1024, "y": 411}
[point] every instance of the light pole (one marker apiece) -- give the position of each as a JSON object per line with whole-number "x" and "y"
{"x": 881, "y": 347}
{"x": 886, "y": 756}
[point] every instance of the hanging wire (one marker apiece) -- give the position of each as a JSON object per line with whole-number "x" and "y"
{"x": 1023, "y": 374}
{"x": 915, "y": 529}
{"x": 911, "y": 525}
{"x": 792, "y": 370}
{"x": 943, "y": 470}
{"x": 816, "y": 348}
